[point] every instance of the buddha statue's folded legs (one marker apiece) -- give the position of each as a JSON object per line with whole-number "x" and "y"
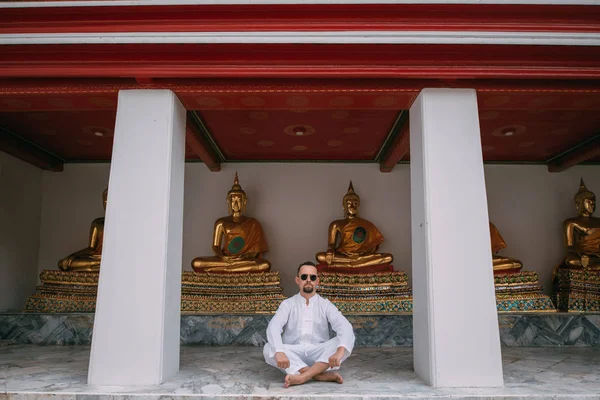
{"x": 80, "y": 263}
{"x": 216, "y": 264}
{"x": 345, "y": 261}
{"x": 506, "y": 263}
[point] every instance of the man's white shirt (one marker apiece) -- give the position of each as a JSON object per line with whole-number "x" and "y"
{"x": 298, "y": 323}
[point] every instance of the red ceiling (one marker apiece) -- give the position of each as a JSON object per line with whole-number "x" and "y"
{"x": 344, "y": 125}
{"x": 347, "y": 96}
{"x": 328, "y": 134}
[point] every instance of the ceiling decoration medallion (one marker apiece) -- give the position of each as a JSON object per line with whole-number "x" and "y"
{"x": 509, "y": 131}
{"x": 206, "y": 101}
{"x": 97, "y": 131}
{"x": 487, "y": 148}
{"x": 340, "y": 114}
{"x": 334, "y": 143}
{"x": 266, "y": 143}
{"x": 341, "y": 101}
{"x": 253, "y": 101}
{"x": 247, "y": 130}
{"x": 384, "y": 101}
{"x": 299, "y": 130}
{"x": 259, "y": 115}
{"x": 299, "y": 148}
{"x": 297, "y": 101}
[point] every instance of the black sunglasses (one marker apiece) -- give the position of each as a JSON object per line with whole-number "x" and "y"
{"x": 305, "y": 277}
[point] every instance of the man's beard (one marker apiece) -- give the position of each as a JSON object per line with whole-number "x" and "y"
{"x": 308, "y": 289}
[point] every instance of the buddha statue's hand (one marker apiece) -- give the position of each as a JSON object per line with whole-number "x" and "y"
{"x": 585, "y": 261}
{"x": 329, "y": 257}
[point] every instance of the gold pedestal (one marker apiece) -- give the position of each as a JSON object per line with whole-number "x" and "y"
{"x": 249, "y": 293}
{"x": 521, "y": 292}
{"x": 367, "y": 293}
{"x": 64, "y": 292}
{"x": 577, "y": 290}
{"x": 239, "y": 293}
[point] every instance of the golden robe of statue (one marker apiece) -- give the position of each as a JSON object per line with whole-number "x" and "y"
{"x": 501, "y": 263}
{"x": 582, "y": 233}
{"x": 358, "y": 239}
{"x": 238, "y": 241}
{"x": 88, "y": 259}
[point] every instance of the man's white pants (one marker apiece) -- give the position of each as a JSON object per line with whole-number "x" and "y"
{"x": 304, "y": 355}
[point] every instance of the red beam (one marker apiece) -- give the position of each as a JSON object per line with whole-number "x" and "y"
{"x": 302, "y": 17}
{"x": 398, "y": 149}
{"x": 163, "y": 61}
{"x": 580, "y": 153}
{"x": 24, "y": 150}
{"x": 199, "y": 146}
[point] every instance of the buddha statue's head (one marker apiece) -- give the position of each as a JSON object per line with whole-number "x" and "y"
{"x": 585, "y": 201}
{"x": 104, "y": 198}
{"x": 351, "y": 202}
{"x": 236, "y": 197}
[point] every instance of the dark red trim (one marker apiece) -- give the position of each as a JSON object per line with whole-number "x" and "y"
{"x": 144, "y": 61}
{"x": 399, "y": 149}
{"x": 582, "y": 153}
{"x": 24, "y": 150}
{"x": 195, "y": 141}
{"x": 303, "y": 17}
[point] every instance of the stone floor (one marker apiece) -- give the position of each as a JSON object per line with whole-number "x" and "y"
{"x": 60, "y": 372}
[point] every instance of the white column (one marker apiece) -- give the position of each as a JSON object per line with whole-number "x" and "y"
{"x": 136, "y": 328}
{"x": 455, "y": 324}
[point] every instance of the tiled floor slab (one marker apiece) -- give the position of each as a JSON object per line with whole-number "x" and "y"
{"x": 60, "y": 372}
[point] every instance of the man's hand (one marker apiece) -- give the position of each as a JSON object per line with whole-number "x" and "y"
{"x": 336, "y": 359}
{"x": 282, "y": 360}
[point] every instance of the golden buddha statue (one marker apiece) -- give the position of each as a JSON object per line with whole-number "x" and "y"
{"x": 582, "y": 233}
{"x": 88, "y": 259}
{"x": 501, "y": 263}
{"x": 238, "y": 241}
{"x": 359, "y": 239}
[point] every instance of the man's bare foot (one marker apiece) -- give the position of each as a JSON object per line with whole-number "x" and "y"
{"x": 291, "y": 380}
{"x": 329, "y": 376}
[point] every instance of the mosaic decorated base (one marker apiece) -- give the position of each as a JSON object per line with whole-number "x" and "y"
{"x": 577, "y": 290}
{"x": 521, "y": 292}
{"x": 71, "y": 292}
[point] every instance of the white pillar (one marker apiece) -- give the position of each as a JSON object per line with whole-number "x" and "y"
{"x": 136, "y": 328}
{"x": 455, "y": 323}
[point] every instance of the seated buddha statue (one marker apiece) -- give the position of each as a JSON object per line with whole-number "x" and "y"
{"x": 501, "y": 263}
{"x": 88, "y": 259}
{"x": 238, "y": 241}
{"x": 582, "y": 233}
{"x": 353, "y": 242}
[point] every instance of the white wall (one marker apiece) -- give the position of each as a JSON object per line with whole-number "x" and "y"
{"x": 296, "y": 202}
{"x": 20, "y": 204}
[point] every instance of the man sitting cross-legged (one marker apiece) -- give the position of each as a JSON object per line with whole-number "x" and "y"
{"x": 298, "y": 334}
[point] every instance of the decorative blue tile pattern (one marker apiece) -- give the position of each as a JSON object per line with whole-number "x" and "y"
{"x": 516, "y": 330}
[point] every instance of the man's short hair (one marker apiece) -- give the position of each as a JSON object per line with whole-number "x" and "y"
{"x": 312, "y": 264}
